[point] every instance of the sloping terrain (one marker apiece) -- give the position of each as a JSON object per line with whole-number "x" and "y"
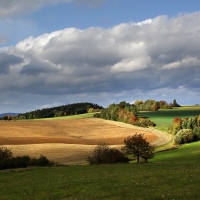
{"x": 69, "y": 141}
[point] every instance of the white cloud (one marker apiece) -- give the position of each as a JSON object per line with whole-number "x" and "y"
{"x": 131, "y": 64}
{"x": 186, "y": 62}
{"x": 163, "y": 53}
{"x": 147, "y": 21}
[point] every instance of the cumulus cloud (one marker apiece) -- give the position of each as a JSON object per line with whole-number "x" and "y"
{"x": 131, "y": 64}
{"x": 185, "y": 62}
{"x": 148, "y": 56}
{"x": 6, "y": 61}
{"x": 36, "y": 67}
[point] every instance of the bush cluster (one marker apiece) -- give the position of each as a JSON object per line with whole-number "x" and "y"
{"x": 183, "y": 136}
{"x": 185, "y": 130}
{"x": 7, "y": 161}
{"x": 196, "y": 133}
{"x": 143, "y": 122}
{"x": 104, "y": 154}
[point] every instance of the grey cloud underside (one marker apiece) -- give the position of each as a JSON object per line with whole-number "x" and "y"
{"x": 6, "y": 61}
{"x": 35, "y": 67}
{"x": 161, "y": 54}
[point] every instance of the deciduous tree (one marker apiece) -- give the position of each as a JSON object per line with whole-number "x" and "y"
{"x": 139, "y": 147}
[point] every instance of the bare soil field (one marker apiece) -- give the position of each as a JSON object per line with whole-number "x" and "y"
{"x": 69, "y": 141}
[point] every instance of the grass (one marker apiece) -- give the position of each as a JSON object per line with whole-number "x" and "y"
{"x": 115, "y": 182}
{"x": 80, "y": 116}
{"x": 163, "y": 118}
{"x": 188, "y": 152}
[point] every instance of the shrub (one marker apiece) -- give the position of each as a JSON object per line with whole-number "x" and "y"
{"x": 43, "y": 161}
{"x": 147, "y": 122}
{"x": 97, "y": 115}
{"x": 5, "y": 153}
{"x": 9, "y": 162}
{"x": 189, "y": 123}
{"x": 183, "y": 136}
{"x": 196, "y": 133}
{"x": 184, "y": 123}
{"x": 104, "y": 154}
{"x": 15, "y": 162}
{"x": 20, "y": 162}
{"x": 176, "y": 125}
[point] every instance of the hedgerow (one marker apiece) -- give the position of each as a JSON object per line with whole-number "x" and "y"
{"x": 7, "y": 161}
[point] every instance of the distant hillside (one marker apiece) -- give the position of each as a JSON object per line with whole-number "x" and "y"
{"x": 64, "y": 110}
{"x": 11, "y": 114}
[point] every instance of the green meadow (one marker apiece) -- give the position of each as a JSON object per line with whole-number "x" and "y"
{"x": 162, "y": 180}
{"x": 163, "y": 118}
{"x": 80, "y": 116}
{"x": 171, "y": 174}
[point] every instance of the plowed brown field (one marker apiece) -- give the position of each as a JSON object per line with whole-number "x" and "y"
{"x": 65, "y": 141}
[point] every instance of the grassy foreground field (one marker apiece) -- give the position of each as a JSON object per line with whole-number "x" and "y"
{"x": 113, "y": 182}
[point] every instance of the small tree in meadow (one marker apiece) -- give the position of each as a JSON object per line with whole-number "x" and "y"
{"x": 139, "y": 147}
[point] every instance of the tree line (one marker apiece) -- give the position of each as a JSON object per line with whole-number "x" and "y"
{"x": 152, "y": 105}
{"x": 124, "y": 112}
{"x": 64, "y": 110}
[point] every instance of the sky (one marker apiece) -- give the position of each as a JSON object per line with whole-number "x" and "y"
{"x": 58, "y": 52}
